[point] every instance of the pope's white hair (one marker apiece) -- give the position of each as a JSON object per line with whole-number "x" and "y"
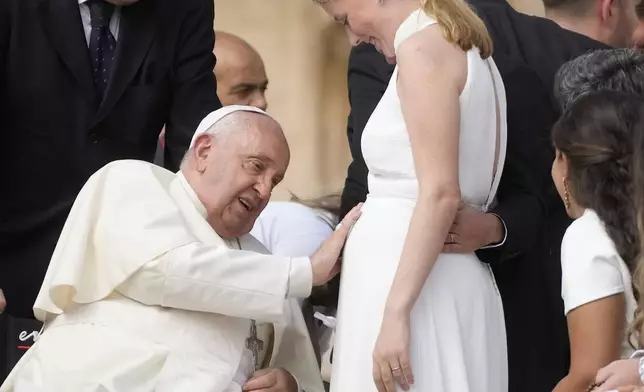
{"x": 229, "y": 123}
{"x": 235, "y": 122}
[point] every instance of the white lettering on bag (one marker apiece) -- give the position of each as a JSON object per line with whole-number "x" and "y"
{"x": 24, "y": 336}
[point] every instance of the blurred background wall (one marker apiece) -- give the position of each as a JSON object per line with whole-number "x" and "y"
{"x": 306, "y": 57}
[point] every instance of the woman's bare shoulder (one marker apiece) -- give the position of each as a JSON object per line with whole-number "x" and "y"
{"x": 427, "y": 54}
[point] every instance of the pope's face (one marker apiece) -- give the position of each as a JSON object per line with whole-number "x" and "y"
{"x": 240, "y": 170}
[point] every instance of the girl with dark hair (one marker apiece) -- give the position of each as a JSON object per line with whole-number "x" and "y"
{"x": 631, "y": 371}
{"x": 593, "y": 175}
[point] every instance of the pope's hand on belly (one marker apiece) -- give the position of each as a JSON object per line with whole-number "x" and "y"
{"x": 325, "y": 262}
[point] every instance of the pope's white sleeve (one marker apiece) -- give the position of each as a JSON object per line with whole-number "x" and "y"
{"x": 220, "y": 280}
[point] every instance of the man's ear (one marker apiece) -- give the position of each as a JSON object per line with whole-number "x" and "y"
{"x": 201, "y": 151}
{"x": 607, "y": 9}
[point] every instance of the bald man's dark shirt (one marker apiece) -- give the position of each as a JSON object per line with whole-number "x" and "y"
{"x": 528, "y": 52}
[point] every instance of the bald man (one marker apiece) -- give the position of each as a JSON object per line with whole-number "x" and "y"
{"x": 240, "y": 73}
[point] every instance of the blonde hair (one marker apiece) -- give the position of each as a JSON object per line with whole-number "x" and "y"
{"x": 460, "y": 24}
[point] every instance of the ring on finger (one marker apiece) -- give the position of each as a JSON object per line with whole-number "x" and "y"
{"x": 398, "y": 374}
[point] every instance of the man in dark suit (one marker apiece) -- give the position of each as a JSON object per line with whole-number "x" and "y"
{"x": 83, "y": 83}
{"x": 529, "y": 219}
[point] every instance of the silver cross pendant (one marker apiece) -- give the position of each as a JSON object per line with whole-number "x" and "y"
{"x": 254, "y": 344}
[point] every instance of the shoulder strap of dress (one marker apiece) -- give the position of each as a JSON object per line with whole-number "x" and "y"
{"x": 499, "y": 152}
{"x": 417, "y": 21}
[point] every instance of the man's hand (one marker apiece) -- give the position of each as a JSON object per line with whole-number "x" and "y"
{"x": 3, "y": 301}
{"x": 272, "y": 380}
{"x": 472, "y": 230}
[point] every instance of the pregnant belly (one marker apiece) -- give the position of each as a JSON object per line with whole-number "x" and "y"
{"x": 374, "y": 247}
{"x": 382, "y": 219}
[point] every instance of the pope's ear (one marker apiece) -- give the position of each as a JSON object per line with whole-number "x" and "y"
{"x": 201, "y": 150}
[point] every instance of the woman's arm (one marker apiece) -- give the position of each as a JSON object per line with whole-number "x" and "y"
{"x": 596, "y": 332}
{"x": 432, "y": 73}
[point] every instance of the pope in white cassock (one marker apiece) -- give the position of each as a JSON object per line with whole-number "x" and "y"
{"x": 155, "y": 284}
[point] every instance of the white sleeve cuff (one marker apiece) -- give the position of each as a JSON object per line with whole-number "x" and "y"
{"x": 505, "y": 235}
{"x": 574, "y": 299}
{"x": 638, "y": 354}
{"x": 300, "y": 280}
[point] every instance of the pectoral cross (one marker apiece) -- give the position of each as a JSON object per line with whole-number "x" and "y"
{"x": 254, "y": 344}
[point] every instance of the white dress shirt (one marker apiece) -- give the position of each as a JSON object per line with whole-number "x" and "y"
{"x": 292, "y": 229}
{"x": 86, "y": 18}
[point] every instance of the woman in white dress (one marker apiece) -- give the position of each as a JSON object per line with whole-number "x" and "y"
{"x": 410, "y": 317}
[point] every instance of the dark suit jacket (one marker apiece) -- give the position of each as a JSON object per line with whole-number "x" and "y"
{"x": 55, "y": 133}
{"x": 528, "y": 51}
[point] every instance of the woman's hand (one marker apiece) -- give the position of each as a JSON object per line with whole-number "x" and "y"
{"x": 324, "y": 262}
{"x": 391, "y": 353}
{"x": 618, "y": 374}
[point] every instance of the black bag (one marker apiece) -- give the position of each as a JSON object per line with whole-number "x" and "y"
{"x": 17, "y": 335}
